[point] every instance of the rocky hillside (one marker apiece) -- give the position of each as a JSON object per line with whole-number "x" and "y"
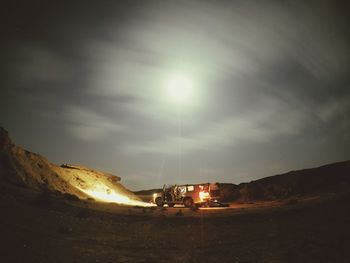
{"x": 23, "y": 168}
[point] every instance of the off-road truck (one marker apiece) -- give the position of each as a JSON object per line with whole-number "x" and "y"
{"x": 188, "y": 195}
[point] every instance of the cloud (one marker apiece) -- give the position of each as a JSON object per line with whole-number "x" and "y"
{"x": 230, "y": 56}
{"x": 258, "y": 127}
{"x": 41, "y": 64}
{"x": 334, "y": 108}
{"x": 88, "y": 125}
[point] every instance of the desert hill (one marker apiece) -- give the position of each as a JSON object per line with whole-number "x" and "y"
{"x": 30, "y": 170}
{"x": 330, "y": 178}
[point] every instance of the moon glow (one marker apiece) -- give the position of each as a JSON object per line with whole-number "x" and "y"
{"x": 180, "y": 89}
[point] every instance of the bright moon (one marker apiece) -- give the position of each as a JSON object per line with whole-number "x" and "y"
{"x": 180, "y": 88}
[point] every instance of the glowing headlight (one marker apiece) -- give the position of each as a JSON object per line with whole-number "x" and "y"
{"x": 204, "y": 195}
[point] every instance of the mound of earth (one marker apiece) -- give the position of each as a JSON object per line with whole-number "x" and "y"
{"x": 23, "y": 168}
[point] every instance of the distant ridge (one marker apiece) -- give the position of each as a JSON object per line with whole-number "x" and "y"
{"x": 334, "y": 177}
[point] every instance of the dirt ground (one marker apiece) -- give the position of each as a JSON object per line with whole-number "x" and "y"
{"x": 42, "y": 228}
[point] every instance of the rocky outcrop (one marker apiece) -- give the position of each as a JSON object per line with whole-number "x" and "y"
{"x": 23, "y": 168}
{"x": 26, "y": 169}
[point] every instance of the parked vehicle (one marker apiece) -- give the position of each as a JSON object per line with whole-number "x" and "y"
{"x": 188, "y": 195}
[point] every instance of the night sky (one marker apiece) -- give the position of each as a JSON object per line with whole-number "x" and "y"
{"x": 178, "y": 91}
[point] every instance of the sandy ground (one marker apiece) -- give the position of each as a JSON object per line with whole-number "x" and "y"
{"x": 33, "y": 229}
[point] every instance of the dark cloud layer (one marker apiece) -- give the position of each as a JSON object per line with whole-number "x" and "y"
{"x": 84, "y": 82}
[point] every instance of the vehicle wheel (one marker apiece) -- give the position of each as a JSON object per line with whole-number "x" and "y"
{"x": 159, "y": 202}
{"x": 188, "y": 202}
